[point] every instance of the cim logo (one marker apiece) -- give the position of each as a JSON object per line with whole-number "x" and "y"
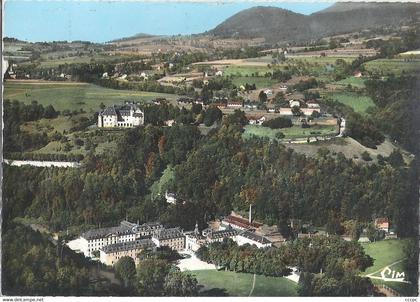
{"x": 389, "y": 275}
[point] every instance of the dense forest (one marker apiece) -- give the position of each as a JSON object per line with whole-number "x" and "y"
{"x": 213, "y": 174}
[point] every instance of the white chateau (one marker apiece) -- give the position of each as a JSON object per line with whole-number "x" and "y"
{"x": 126, "y": 116}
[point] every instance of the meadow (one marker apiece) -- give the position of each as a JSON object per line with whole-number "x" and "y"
{"x": 290, "y": 133}
{"x": 353, "y": 81}
{"x": 240, "y": 284}
{"x": 394, "y": 66}
{"x": 73, "y": 95}
{"x": 360, "y": 103}
{"x": 385, "y": 253}
{"x": 260, "y": 82}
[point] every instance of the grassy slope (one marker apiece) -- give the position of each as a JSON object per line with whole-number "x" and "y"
{"x": 358, "y": 103}
{"x": 385, "y": 253}
{"x": 293, "y": 132}
{"x": 240, "y": 284}
{"x": 74, "y": 96}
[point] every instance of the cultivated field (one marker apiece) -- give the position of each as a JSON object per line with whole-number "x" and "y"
{"x": 395, "y": 66}
{"x": 241, "y": 285}
{"x": 73, "y": 95}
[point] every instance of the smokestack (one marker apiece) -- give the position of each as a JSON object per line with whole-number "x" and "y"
{"x": 250, "y": 213}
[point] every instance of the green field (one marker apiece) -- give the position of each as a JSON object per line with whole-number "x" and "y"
{"x": 242, "y": 71}
{"x": 290, "y": 133}
{"x": 385, "y": 253}
{"x": 395, "y": 66}
{"x": 240, "y": 284}
{"x": 74, "y": 96}
{"x": 353, "y": 81}
{"x": 358, "y": 103}
{"x": 260, "y": 82}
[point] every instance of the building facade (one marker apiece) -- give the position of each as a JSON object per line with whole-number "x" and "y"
{"x": 174, "y": 238}
{"x": 95, "y": 239}
{"x": 110, "y": 254}
{"x": 125, "y": 116}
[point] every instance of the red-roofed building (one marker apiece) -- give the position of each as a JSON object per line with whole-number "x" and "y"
{"x": 240, "y": 223}
{"x": 382, "y": 224}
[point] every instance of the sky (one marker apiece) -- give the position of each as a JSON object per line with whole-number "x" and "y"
{"x": 95, "y": 21}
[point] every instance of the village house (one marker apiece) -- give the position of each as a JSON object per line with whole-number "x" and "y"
{"x": 382, "y": 224}
{"x": 170, "y": 197}
{"x": 174, "y": 238}
{"x": 125, "y": 116}
{"x": 110, "y": 254}
{"x": 312, "y": 104}
{"x": 234, "y": 105}
{"x": 256, "y": 120}
{"x": 294, "y": 103}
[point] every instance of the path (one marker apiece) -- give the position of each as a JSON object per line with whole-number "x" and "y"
{"x": 253, "y": 285}
{"x": 36, "y": 163}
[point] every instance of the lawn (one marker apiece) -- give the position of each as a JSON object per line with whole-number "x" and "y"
{"x": 74, "y": 96}
{"x": 358, "y": 102}
{"x": 395, "y": 66}
{"x": 260, "y": 82}
{"x": 290, "y": 133}
{"x": 384, "y": 253}
{"x": 240, "y": 284}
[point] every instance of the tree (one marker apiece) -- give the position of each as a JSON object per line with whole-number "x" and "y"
{"x": 180, "y": 284}
{"x": 279, "y": 122}
{"x": 280, "y": 135}
{"x": 366, "y": 156}
{"x": 212, "y": 115}
{"x": 238, "y": 117}
{"x": 296, "y": 111}
{"x": 262, "y": 97}
{"x": 151, "y": 275}
{"x": 125, "y": 269}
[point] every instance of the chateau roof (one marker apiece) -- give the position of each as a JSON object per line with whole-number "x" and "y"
{"x": 126, "y": 246}
{"x": 105, "y": 232}
{"x": 125, "y": 228}
{"x": 168, "y": 234}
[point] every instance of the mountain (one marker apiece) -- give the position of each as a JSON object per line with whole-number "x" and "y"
{"x": 276, "y": 24}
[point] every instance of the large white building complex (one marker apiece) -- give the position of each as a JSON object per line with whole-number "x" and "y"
{"x": 130, "y": 239}
{"x": 125, "y": 116}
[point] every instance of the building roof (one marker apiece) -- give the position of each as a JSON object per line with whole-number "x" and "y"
{"x": 165, "y": 234}
{"x": 105, "y": 232}
{"x": 381, "y": 220}
{"x": 125, "y": 228}
{"x": 254, "y": 237}
{"x": 221, "y": 234}
{"x": 126, "y": 246}
{"x": 241, "y": 222}
{"x": 122, "y": 110}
